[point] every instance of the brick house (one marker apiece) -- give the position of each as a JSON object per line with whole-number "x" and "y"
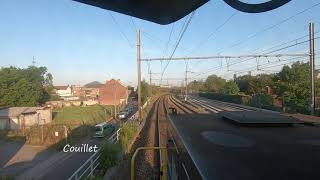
{"x": 113, "y": 93}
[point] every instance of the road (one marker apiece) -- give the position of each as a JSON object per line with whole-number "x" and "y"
{"x": 59, "y": 166}
{"x": 230, "y": 150}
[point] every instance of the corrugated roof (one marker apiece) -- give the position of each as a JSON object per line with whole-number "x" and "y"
{"x": 16, "y": 111}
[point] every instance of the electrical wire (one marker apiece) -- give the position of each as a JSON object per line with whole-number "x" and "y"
{"x": 120, "y": 29}
{"x": 273, "y": 26}
{"x": 178, "y": 42}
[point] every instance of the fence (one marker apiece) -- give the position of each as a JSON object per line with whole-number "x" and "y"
{"x": 87, "y": 168}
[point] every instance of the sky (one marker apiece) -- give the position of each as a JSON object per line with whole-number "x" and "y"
{"x": 80, "y": 43}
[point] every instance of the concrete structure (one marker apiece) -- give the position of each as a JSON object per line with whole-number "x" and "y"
{"x": 22, "y": 117}
{"x": 113, "y": 93}
{"x": 63, "y": 91}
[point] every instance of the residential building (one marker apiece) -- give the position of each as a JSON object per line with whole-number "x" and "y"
{"x": 77, "y": 91}
{"x": 63, "y": 91}
{"x": 23, "y": 117}
{"x": 113, "y": 93}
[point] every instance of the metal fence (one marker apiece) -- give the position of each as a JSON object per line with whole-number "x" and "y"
{"x": 88, "y": 167}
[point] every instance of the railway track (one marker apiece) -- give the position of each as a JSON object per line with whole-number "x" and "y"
{"x": 217, "y": 106}
{"x": 154, "y": 133}
{"x": 185, "y": 105}
{"x": 179, "y": 108}
{"x": 147, "y": 162}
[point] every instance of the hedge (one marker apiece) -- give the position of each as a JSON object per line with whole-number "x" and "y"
{"x": 238, "y": 99}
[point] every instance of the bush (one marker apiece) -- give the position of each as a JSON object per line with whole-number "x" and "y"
{"x": 127, "y": 133}
{"x": 230, "y": 88}
{"x": 262, "y": 100}
{"x": 238, "y": 99}
{"x": 110, "y": 155}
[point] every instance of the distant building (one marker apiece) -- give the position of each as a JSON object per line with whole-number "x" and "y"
{"x": 113, "y": 93}
{"x": 91, "y": 93}
{"x": 77, "y": 91}
{"x": 23, "y": 117}
{"x": 63, "y": 91}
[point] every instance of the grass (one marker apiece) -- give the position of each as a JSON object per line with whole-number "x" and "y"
{"x": 95, "y": 113}
{"x": 3, "y": 133}
{"x": 127, "y": 133}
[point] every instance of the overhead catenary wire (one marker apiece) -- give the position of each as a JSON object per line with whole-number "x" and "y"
{"x": 273, "y": 26}
{"x": 135, "y": 27}
{"x": 169, "y": 39}
{"x": 179, "y": 40}
{"x": 213, "y": 33}
{"x": 219, "y": 67}
{"x": 263, "y": 66}
{"x": 120, "y": 30}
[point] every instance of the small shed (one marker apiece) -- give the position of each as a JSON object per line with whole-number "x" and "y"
{"x": 22, "y": 117}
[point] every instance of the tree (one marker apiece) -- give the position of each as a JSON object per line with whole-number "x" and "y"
{"x": 262, "y": 100}
{"x": 254, "y": 84}
{"x": 213, "y": 83}
{"x": 230, "y": 88}
{"x": 291, "y": 84}
{"x": 196, "y": 86}
{"x": 24, "y": 87}
{"x": 145, "y": 91}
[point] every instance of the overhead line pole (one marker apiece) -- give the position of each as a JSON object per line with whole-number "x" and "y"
{"x": 312, "y": 61}
{"x": 139, "y": 72}
{"x": 150, "y": 83}
{"x": 186, "y": 83}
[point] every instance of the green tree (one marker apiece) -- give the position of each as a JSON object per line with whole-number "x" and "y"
{"x": 254, "y": 84}
{"x": 24, "y": 87}
{"x": 196, "y": 86}
{"x": 262, "y": 100}
{"x": 291, "y": 84}
{"x": 145, "y": 91}
{"x": 230, "y": 88}
{"x": 213, "y": 83}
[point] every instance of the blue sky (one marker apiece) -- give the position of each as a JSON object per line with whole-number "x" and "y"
{"x": 80, "y": 43}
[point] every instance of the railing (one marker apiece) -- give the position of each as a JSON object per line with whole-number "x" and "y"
{"x": 88, "y": 167}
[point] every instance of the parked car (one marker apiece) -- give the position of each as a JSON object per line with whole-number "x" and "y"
{"x": 103, "y": 129}
{"x": 123, "y": 114}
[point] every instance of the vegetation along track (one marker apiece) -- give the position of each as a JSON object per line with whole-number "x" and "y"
{"x": 152, "y": 135}
{"x": 146, "y": 162}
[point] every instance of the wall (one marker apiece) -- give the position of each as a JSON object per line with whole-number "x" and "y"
{"x": 4, "y": 123}
{"x": 66, "y": 92}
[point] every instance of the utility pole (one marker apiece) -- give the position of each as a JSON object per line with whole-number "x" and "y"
{"x": 312, "y": 59}
{"x": 186, "y": 83}
{"x": 150, "y": 83}
{"x": 139, "y": 73}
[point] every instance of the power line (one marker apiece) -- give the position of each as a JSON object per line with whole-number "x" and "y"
{"x": 154, "y": 38}
{"x": 222, "y": 57}
{"x": 134, "y": 24}
{"x": 179, "y": 40}
{"x": 120, "y": 29}
{"x": 262, "y": 66}
{"x": 166, "y": 48}
{"x": 214, "y": 32}
{"x": 215, "y": 68}
{"x": 274, "y": 25}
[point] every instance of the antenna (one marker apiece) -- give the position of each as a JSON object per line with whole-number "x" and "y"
{"x": 33, "y": 61}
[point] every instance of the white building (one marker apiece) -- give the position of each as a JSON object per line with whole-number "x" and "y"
{"x": 63, "y": 91}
